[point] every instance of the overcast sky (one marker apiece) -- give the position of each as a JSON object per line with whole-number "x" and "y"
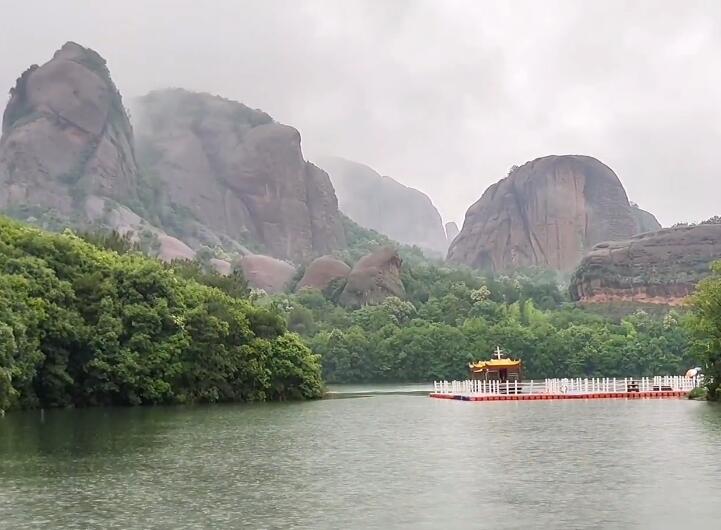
{"x": 444, "y": 95}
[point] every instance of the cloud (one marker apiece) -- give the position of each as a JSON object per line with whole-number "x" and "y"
{"x": 444, "y": 96}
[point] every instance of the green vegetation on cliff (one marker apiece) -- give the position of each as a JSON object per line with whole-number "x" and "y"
{"x": 83, "y": 326}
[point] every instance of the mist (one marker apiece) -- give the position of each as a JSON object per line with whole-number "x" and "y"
{"x": 443, "y": 96}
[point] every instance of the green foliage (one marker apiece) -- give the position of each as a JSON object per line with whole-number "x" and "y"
{"x": 699, "y": 394}
{"x": 234, "y": 285}
{"x": 454, "y": 315}
{"x": 84, "y": 326}
{"x": 111, "y": 240}
{"x": 706, "y": 329}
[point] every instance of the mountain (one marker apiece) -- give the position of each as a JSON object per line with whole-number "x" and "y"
{"x": 383, "y": 204}
{"x": 547, "y": 213}
{"x": 232, "y": 175}
{"x": 661, "y": 267}
{"x": 67, "y": 156}
{"x": 65, "y": 137}
{"x": 203, "y": 172}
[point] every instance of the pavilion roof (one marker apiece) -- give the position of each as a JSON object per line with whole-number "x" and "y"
{"x": 494, "y": 363}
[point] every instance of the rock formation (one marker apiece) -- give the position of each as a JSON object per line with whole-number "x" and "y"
{"x": 546, "y": 213}
{"x": 66, "y": 153}
{"x": 221, "y": 266}
{"x": 267, "y": 273}
{"x": 373, "y": 278}
{"x": 65, "y": 137}
{"x": 645, "y": 221}
{"x": 322, "y": 271}
{"x": 172, "y": 248}
{"x": 451, "y": 231}
{"x": 385, "y": 205}
{"x": 233, "y": 174}
{"x": 660, "y": 267}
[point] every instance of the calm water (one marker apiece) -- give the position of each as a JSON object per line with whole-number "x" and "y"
{"x": 387, "y": 461}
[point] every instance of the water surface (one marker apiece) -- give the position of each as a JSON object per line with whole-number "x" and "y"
{"x": 386, "y": 461}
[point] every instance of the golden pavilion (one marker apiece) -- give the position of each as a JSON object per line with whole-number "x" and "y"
{"x": 499, "y": 368}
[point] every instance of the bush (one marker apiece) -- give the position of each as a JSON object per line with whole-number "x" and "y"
{"x": 699, "y": 394}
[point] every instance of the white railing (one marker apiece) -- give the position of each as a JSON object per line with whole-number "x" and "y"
{"x": 569, "y": 385}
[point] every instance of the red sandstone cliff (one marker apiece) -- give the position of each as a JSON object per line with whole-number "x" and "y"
{"x": 546, "y": 213}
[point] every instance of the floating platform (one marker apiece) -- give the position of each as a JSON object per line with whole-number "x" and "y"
{"x": 662, "y": 394}
{"x": 659, "y": 387}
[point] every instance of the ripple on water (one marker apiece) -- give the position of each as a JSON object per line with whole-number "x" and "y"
{"x": 378, "y": 462}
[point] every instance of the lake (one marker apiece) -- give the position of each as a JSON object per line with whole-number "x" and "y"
{"x": 384, "y": 461}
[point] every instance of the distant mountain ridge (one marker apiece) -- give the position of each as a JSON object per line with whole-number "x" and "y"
{"x": 383, "y": 204}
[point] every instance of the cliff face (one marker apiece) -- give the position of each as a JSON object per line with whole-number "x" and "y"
{"x": 546, "y": 213}
{"x": 385, "y": 205}
{"x": 660, "y": 267}
{"x": 65, "y": 137}
{"x": 233, "y": 174}
{"x": 67, "y": 157}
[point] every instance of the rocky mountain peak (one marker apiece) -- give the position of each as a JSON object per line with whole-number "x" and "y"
{"x": 66, "y": 137}
{"x": 236, "y": 174}
{"x": 547, "y": 212}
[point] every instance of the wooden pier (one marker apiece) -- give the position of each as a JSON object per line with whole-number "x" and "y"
{"x": 574, "y": 388}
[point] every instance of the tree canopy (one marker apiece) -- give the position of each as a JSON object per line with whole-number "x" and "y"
{"x": 453, "y": 315}
{"x": 81, "y": 325}
{"x": 706, "y": 327}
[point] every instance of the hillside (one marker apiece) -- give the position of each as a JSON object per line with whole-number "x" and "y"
{"x": 383, "y": 204}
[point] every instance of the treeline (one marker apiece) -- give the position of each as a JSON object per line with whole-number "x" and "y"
{"x": 453, "y": 316}
{"x": 80, "y": 325}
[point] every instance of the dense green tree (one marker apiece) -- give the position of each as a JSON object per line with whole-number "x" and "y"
{"x": 706, "y": 328}
{"x": 80, "y": 325}
{"x": 454, "y": 315}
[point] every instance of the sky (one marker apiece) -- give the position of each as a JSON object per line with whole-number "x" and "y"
{"x": 444, "y": 96}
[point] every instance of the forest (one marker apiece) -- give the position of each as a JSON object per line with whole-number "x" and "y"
{"x": 452, "y": 316}
{"x": 83, "y": 326}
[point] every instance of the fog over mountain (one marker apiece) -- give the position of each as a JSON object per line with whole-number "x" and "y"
{"x": 447, "y": 94}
